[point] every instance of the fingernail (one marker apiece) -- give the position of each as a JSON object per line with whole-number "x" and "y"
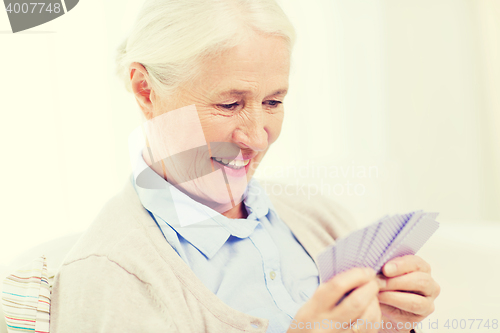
{"x": 390, "y": 269}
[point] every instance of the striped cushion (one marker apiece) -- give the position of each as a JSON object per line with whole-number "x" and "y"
{"x": 26, "y": 297}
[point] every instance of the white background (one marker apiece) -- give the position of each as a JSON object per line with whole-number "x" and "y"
{"x": 410, "y": 87}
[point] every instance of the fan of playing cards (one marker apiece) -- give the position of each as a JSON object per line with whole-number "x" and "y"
{"x": 373, "y": 246}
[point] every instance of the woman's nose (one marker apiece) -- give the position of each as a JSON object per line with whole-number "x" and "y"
{"x": 252, "y": 132}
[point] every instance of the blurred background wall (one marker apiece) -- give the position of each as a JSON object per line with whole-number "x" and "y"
{"x": 393, "y": 106}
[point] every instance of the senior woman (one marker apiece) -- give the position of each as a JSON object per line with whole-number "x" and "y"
{"x": 192, "y": 243}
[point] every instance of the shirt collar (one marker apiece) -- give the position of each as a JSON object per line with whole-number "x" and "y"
{"x": 203, "y": 227}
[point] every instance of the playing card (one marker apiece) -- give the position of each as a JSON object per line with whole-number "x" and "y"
{"x": 413, "y": 240}
{"x": 371, "y": 231}
{"x": 349, "y": 249}
{"x": 398, "y": 239}
{"x": 326, "y": 263}
{"x": 373, "y": 246}
{"x": 387, "y": 233}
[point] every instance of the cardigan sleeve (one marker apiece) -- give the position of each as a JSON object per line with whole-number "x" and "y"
{"x": 95, "y": 294}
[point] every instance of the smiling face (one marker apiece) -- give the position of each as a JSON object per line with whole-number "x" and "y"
{"x": 239, "y": 101}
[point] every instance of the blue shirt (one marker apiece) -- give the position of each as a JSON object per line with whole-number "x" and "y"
{"x": 255, "y": 265}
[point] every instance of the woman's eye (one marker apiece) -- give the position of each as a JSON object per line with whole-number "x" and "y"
{"x": 229, "y": 106}
{"x": 273, "y": 103}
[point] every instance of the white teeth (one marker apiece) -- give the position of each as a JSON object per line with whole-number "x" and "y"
{"x": 236, "y": 164}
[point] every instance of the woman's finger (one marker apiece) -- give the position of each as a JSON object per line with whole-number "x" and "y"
{"x": 417, "y": 282}
{"x": 409, "y": 302}
{"x": 371, "y": 318}
{"x": 330, "y": 292}
{"x": 406, "y": 264}
{"x": 356, "y": 303}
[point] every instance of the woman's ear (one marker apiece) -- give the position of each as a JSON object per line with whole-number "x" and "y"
{"x": 141, "y": 88}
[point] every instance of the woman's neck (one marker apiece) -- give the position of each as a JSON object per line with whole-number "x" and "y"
{"x": 229, "y": 210}
{"x": 237, "y": 212}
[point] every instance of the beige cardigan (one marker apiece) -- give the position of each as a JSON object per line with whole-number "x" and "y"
{"x": 123, "y": 276}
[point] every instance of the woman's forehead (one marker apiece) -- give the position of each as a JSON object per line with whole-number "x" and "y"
{"x": 243, "y": 93}
{"x": 261, "y": 64}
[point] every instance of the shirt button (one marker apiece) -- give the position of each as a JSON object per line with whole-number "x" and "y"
{"x": 272, "y": 274}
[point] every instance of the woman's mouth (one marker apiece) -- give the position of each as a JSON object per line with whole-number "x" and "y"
{"x": 233, "y": 164}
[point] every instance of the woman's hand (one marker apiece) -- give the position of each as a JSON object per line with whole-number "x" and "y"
{"x": 322, "y": 308}
{"x": 407, "y": 292}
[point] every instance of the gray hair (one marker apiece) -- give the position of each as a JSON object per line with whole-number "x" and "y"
{"x": 170, "y": 35}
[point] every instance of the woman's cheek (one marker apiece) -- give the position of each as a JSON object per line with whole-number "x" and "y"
{"x": 274, "y": 126}
{"x": 214, "y": 127}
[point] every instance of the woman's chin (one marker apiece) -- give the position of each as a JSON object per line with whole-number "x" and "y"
{"x": 221, "y": 197}
{"x": 212, "y": 190}
{"x": 222, "y": 202}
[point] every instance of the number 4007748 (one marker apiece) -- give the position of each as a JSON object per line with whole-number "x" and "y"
{"x": 490, "y": 324}
{"x": 33, "y": 7}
